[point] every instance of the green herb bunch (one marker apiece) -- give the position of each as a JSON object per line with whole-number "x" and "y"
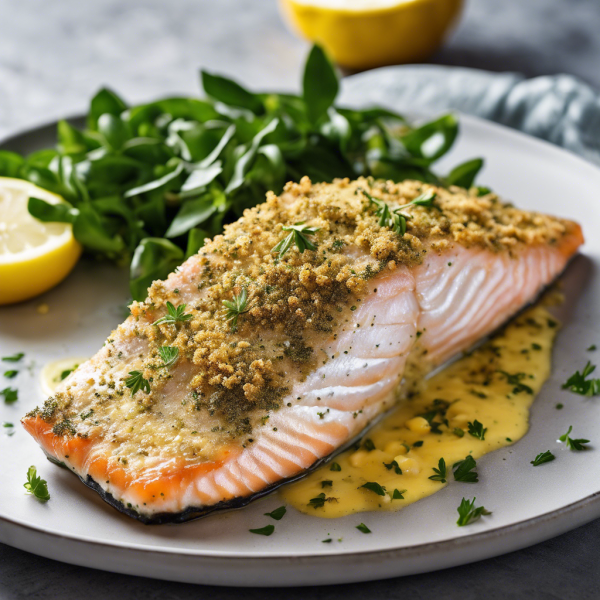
{"x": 147, "y": 184}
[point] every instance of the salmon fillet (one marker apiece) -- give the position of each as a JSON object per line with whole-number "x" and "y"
{"x": 380, "y": 280}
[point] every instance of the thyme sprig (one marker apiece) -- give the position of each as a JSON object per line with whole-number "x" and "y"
{"x": 236, "y": 307}
{"x": 298, "y": 234}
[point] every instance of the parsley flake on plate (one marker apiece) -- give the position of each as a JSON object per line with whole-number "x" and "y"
{"x": 468, "y": 513}
{"x": 363, "y": 528}
{"x": 476, "y": 429}
{"x": 14, "y": 357}
{"x": 36, "y": 486}
{"x": 266, "y": 530}
{"x": 463, "y": 470}
{"x": 543, "y": 457}
{"x": 11, "y": 395}
{"x": 277, "y": 514}
{"x": 579, "y": 384}
{"x": 440, "y": 472}
{"x": 574, "y": 444}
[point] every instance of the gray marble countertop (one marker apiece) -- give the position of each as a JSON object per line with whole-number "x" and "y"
{"x": 54, "y": 56}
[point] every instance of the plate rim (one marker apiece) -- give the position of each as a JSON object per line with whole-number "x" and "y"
{"x": 587, "y": 508}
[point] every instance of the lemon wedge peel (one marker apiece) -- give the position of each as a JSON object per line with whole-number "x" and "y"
{"x": 34, "y": 256}
{"x": 360, "y": 37}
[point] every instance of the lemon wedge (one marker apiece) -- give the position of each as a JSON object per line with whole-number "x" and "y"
{"x": 34, "y": 256}
{"x": 362, "y": 34}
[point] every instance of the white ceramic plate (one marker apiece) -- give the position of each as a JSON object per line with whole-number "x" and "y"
{"x": 529, "y": 505}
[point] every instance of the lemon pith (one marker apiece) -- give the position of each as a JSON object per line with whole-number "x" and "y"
{"x": 382, "y": 34}
{"x": 34, "y": 256}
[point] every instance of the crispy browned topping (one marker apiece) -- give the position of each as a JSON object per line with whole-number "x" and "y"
{"x": 295, "y": 302}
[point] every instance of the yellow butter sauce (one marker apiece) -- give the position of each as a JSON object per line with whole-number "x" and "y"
{"x": 57, "y": 370}
{"x": 494, "y": 385}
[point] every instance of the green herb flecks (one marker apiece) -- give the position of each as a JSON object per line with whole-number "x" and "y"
{"x": 578, "y": 444}
{"x": 579, "y": 383}
{"x": 468, "y": 513}
{"x": 393, "y": 465}
{"x": 174, "y": 315}
{"x": 10, "y": 395}
{"x": 14, "y": 357}
{"x": 168, "y": 355}
{"x": 440, "y": 472}
{"x": 463, "y": 470}
{"x": 266, "y": 530}
{"x": 277, "y": 514}
{"x": 335, "y": 467}
{"x": 543, "y": 457}
{"x": 236, "y": 307}
{"x": 136, "y": 382}
{"x": 363, "y": 528}
{"x": 476, "y": 429}
{"x": 36, "y": 486}
{"x": 299, "y": 233}
{"x": 398, "y": 495}
{"x": 374, "y": 487}
{"x": 516, "y": 380}
{"x": 11, "y": 374}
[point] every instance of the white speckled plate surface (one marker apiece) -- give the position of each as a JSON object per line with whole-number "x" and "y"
{"x": 529, "y": 505}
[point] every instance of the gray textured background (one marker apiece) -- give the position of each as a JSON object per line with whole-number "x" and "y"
{"x": 53, "y": 56}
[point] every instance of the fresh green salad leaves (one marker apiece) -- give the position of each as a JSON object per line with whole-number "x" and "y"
{"x": 147, "y": 184}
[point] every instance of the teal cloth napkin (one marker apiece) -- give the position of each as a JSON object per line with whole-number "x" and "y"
{"x": 559, "y": 108}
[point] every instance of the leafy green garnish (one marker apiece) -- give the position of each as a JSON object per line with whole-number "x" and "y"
{"x": 393, "y": 465}
{"x": 579, "y": 384}
{"x": 174, "y": 315}
{"x": 236, "y": 307}
{"x": 168, "y": 355}
{"x": 11, "y": 374}
{"x": 64, "y": 374}
{"x": 577, "y": 444}
{"x": 373, "y": 486}
{"x": 277, "y": 514}
{"x": 467, "y": 513}
{"x": 298, "y": 235}
{"x": 516, "y": 380}
{"x": 592, "y": 348}
{"x": 463, "y": 470}
{"x": 136, "y": 382}
{"x": 397, "y": 495}
{"x": 147, "y": 184}
{"x": 318, "y": 501}
{"x": 335, "y": 467}
{"x": 440, "y": 472}
{"x": 266, "y": 530}
{"x": 363, "y": 528}
{"x": 19, "y": 355}
{"x": 11, "y": 395}
{"x": 326, "y": 483}
{"x": 543, "y": 457}
{"x": 36, "y": 486}
{"x": 476, "y": 429}
{"x": 457, "y": 431}
{"x": 368, "y": 445}
{"x": 464, "y": 175}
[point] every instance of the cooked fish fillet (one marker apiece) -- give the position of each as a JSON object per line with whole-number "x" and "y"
{"x": 316, "y": 349}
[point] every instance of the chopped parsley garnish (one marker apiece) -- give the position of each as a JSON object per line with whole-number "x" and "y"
{"x": 463, "y": 470}
{"x": 363, "y": 528}
{"x": 440, "y": 472}
{"x": 11, "y": 374}
{"x": 368, "y": 445}
{"x": 458, "y": 432}
{"x": 373, "y": 486}
{"x": 64, "y": 374}
{"x": 327, "y": 541}
{"x": 418, "y": 444}
{"x": 326, "y": 483}
{"x": 397, "y": 495}
{"x": 174, "y": 315}
{"x": 476, "y": 429}
{"x": 298, "y": 234}
{"x": 393, "y": 465}
{"x": 277, "y": 514}
{"x": 543, "y": 457}
{"x": 467, "y": 513}
{"x": 136, "y": 382}
{"x": 10, "y": 395}
{"x": 579, "y": 384}
{"x": 10, "y": 427}
{"x": 266, "y": 530}
{"x": 168, "y": 355}
{"x": 592, "y": 348}
{"x": 236, "y": 307}
{"x": 516, "y": 380}
{"x": 36, "y": 486}
{"x": 578, "y": 444}
{"x": 335, "y": 467}
{"x": 14, "y": 358}
{"x": 318, "y": 501}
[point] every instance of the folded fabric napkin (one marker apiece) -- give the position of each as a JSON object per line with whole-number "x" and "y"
{"x": 560, "y": 108}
